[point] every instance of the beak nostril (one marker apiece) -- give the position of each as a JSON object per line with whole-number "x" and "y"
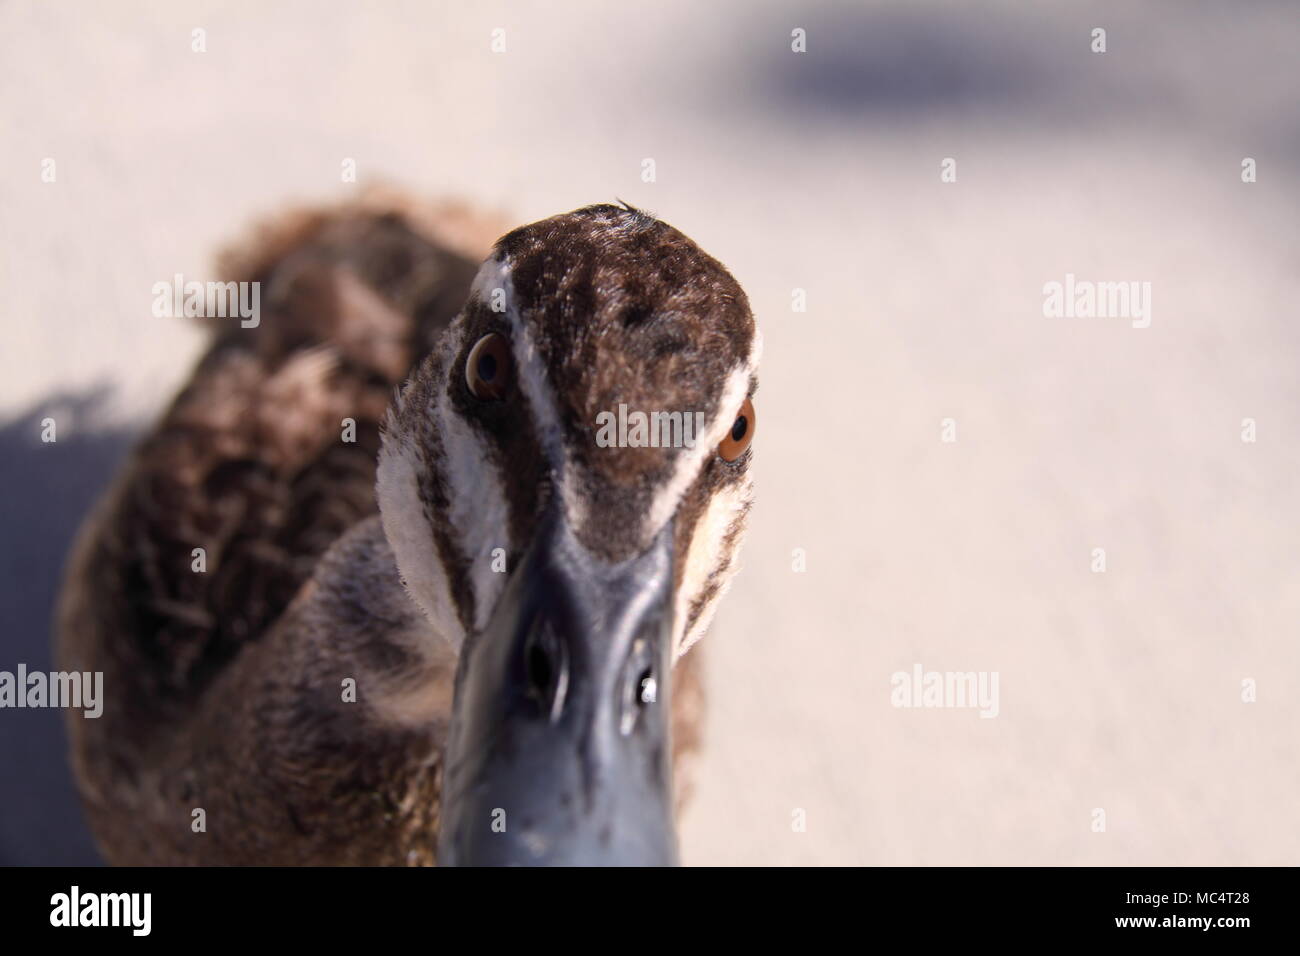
{"x": 640, "y": 689}
{"x": 545, "y": 673}
{"x": 649, "y": 688}
{"x": 539, "y": 668}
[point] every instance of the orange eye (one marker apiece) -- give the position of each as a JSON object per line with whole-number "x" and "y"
{"x": 489, "y": 368}
{"x": 741, "y": 434}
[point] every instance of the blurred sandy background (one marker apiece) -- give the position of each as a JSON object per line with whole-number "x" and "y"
{"x": 818, "y": 171}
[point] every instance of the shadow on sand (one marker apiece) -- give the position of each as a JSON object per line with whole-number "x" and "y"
{"x": 46, "y": 489}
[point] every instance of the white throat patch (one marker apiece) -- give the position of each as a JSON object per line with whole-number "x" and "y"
{"x": 397, "y": 486}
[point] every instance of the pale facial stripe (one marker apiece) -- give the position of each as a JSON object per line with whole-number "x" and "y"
{"x": 710, "y": 558}
{"x": 691, "y": 460}
{"x": 531, "y": 375}
{"x": 710, "y": 561}
{"x": 477, "y": 503}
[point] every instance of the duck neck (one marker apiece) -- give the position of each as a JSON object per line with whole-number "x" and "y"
{"x": 356, "y": 620}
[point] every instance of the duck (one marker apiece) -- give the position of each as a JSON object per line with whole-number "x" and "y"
{"x": 370, "y": 592}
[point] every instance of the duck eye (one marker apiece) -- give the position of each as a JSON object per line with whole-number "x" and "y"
{"x": 489, "y": 369}
{"x": 741, "y": 434}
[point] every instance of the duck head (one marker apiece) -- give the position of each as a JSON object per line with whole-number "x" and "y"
{"x": 564, "y": 484}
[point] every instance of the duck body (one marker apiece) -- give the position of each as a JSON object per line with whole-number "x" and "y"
{"x": 249, "y": 465}
{"x": 282, "y": 696}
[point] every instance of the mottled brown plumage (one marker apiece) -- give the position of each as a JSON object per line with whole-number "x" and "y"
{"x": 220, "y": 694}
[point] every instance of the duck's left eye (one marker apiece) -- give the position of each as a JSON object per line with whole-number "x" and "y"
{"x": 489, "y": 369}
{"x": 741, "y": 434}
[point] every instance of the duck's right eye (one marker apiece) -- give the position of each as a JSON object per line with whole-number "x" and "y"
{"x": 489, "y": 368}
